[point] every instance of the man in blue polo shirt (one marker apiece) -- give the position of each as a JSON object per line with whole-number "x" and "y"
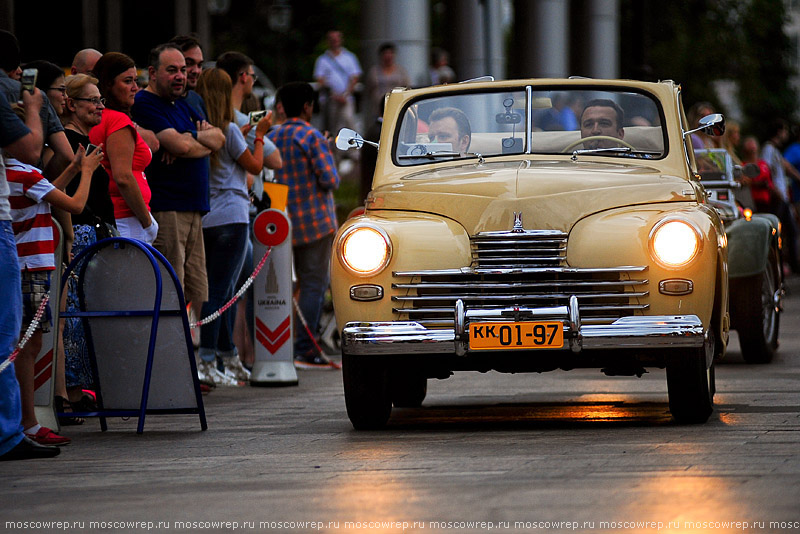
{"x": 178, "y": 174}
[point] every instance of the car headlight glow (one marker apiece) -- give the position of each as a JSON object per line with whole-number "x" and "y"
{"x": 675, "y": 242}
{"x": 365, "y": 250}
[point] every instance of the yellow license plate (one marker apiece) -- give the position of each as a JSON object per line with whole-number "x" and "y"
{"x": 523, "y": 335}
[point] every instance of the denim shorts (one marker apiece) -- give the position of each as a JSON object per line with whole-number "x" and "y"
{"x": 35, "y": 285}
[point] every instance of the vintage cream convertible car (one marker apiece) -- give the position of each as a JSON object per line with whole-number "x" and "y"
{"x": 531, "y": 225}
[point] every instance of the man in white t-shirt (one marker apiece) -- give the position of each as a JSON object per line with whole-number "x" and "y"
{"x": 337, "y": 72}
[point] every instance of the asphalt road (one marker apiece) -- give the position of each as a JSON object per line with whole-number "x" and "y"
{"x": 557, "y": 452}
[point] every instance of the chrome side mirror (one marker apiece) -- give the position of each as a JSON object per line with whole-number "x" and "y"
{"x": 713, "y": 124}
{"x": 348, "y": 139}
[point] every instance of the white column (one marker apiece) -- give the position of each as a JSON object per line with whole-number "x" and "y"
{"x": 603, "y": 43}
{"x": 406, "y": 24}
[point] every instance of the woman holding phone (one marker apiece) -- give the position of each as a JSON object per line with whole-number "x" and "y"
{"x": 127, "y": 154}
{"x": 226, "y": 226}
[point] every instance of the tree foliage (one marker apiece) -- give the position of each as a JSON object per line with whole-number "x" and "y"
{"x": 698, "y": 42}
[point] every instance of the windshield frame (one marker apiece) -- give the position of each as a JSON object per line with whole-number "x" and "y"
{"x": 529, "y": 90}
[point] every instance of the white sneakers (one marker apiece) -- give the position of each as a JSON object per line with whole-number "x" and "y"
{"x": 208, "y": 371}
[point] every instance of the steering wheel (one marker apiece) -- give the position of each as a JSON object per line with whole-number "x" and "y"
{"x": 597, "y": 138}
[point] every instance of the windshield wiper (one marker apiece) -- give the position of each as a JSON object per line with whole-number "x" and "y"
{"x": 620, "y": 150}
{"x": 439, "y": 154}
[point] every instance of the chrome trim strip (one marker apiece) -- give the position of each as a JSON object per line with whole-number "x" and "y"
{"x": 528, "y": 118}
{"x": 506, "y": 298}
{"x": 408, "y": 337}
{"x": 466, "y": 285}
{"x": 521, "y": 270}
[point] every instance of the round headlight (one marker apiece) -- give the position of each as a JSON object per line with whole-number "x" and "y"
{"x": 365, "y": 250}
{"x": 675, "y": 243}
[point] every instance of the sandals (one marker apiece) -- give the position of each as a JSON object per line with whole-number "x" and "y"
{"x": 63, "y": 406}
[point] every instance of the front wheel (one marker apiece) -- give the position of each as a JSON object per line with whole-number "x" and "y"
{"x": 366, "y": 391}
{"x": 691, "y": 385}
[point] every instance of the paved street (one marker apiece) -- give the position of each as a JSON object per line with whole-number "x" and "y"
{"x": 555, "y": 452}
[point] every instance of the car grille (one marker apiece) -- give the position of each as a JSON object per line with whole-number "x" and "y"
{"x": 520, "y": 268}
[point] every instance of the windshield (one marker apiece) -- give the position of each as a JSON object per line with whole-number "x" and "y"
{"x": 609, "y": 123}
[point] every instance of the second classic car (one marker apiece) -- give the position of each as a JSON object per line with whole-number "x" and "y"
{"x": 531, "y": 225}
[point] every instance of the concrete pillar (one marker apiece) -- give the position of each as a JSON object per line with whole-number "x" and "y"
{"x": 113, "y": 26}
{"x": 542, "y": 39}
{"x": 467, "y": 37}
{"x": 203, "y": 28}
{"x": 493, "y": 29}
{"x": 602, "y": 46}
{"x": 183, "y": 17}
{"x": 407, "y": 25}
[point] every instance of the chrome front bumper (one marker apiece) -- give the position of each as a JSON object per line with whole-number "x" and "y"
{"x": 635, "y": 332}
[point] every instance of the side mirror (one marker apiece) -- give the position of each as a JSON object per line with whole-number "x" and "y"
{"x": 751, "y": 170}
{"x": 713, "y": 124}
{"x": 348, "y": 139}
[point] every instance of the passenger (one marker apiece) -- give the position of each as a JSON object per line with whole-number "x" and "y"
{"x": 450, "y": 125}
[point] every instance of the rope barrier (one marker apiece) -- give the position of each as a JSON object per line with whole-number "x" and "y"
{"x": 28, "y": 333}
{"x": 214, "y": 316}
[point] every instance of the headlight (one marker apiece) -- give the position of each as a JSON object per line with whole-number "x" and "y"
{"x": 675, "y": 242}
{"x": 365, "y": 250}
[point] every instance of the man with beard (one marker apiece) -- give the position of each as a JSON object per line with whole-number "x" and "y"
{"x": 178, "y": 174}
{"x": 193, "y": 55}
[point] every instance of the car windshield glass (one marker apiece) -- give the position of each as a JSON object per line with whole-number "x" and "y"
{"x": 713, "y": 164}
{"x": 597, "y": 122}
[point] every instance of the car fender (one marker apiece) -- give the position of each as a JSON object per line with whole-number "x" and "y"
{"x": 749, "y": 243}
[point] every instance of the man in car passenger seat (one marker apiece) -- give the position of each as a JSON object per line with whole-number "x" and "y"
{"x": 450, "y": 125}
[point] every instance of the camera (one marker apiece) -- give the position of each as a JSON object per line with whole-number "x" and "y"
{"x": 256, "y": 116}
{"x": 28, "y": 80}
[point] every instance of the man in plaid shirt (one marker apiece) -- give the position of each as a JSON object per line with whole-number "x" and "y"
{"x": 310, "y": 172}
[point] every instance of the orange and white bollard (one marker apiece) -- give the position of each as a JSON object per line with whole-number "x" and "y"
{"x": 272, "y": 295}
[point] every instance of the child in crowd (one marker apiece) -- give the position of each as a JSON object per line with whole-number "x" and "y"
{"x": 30, "y": 199}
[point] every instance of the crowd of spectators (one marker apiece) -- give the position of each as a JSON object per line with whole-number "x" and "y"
{"x": 173, "y": 164}
{"x": 776, "y": 188}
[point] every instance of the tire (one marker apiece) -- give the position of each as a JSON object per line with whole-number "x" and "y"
{"x": 366, "y": 391}
{"x": 408, "y": 390}
{"x": 756, "y": 315}
{"x": 691, "y": 385}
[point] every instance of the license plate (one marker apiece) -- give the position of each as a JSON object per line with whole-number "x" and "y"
{"x": 522, "y": 335}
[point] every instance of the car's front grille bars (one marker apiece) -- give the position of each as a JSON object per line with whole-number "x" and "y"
{"x": 604, "y": 295}
{"x": 520, "y": 248}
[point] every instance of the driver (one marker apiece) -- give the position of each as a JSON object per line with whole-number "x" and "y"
{"x": 601, "y": 117}
{"x": 450, "y": 125}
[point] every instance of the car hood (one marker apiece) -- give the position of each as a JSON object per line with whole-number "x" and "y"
{"x": 552, "y": 195}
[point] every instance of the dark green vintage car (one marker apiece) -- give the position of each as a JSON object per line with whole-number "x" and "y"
{"x": 755, "y": 269}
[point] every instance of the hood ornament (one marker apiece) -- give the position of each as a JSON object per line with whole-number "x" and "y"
{"x": 518, "y": 222}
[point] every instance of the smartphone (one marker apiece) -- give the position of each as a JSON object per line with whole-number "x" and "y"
{"x": 28, "y": 80}
{"x": 256, "y": 116}
{"x": 91, "y": 148}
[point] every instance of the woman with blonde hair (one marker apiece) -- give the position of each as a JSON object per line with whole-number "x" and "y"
{"x": 83, "y": 110}
{"x": 226, "y": 226}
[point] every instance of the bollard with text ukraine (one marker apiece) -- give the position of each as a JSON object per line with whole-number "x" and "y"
{"x": 272, "y": 295}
